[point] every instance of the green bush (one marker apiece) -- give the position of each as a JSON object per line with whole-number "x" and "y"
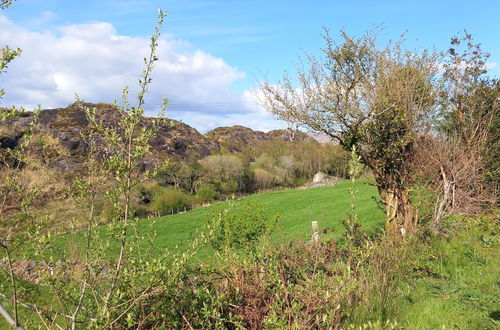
{"x": 229, "y": 186}
{"x": 240, "y": 228}
{"x": 207, "y": 193}
{"x": 168, "y": 200}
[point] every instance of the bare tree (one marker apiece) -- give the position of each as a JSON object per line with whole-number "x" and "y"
{"x": 453, "y": 162}
{"x": 373, "y": 99}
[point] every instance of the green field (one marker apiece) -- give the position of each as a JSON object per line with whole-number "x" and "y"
{"x": 454, "y": 283}
{"x": 296, "y": 208}
{"x": 447, "y": 282}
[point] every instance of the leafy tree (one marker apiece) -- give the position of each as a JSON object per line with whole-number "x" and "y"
{"x": 464, "y": 78}
{"x": 172, "y": 173}
{"x": 376, "y": 100}
{"x": 224, "y": 170}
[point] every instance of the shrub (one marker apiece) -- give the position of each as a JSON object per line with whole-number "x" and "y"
{"x": 207, "y": 193}
{"x": 263, "y": 179}
{"x": 226, "y": 170}
{"x": 240, "y": 229}
{"x": 168, "y": 200}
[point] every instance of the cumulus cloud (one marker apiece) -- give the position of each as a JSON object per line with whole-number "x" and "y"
{"x": 93, "y": 61}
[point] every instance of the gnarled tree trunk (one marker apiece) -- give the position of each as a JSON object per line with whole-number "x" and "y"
{"x": 400, "y": 216}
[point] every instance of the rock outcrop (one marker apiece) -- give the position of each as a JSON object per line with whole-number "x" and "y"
{"x": 241, "y": 139}
{"x": 62, "y": 130}
{"x": 321, "y": 179}
{"x": 63, "y": 127}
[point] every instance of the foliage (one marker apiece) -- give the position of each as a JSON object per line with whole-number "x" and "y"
{"x": 354, "y": 233}
{"x": 361, "y": 96}
{"x": 126, "y": 273}
{"x": 14, "y": 188}
{"x": 456, "y": 162}
{"x": 379, "y": 285}
{"x": 169, "y": 200}
{"x": 225, "y": 171}
{"x": 262, "y": 179}
{"x": 118, "y": 280}
{"x": 310, "y": 157}
{"x": 207, "y": 193}
{"x": 7, "y": 55}
{"x": 240, "y": 229}
{"x": 177, "y": 174}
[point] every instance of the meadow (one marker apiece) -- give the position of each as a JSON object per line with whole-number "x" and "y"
{"x": 295, "y": 208}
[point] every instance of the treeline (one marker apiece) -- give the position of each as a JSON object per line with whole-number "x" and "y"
{"x": 184, "y": 184}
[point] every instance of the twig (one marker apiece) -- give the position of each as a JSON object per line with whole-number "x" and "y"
{"x": 9, "y": 318}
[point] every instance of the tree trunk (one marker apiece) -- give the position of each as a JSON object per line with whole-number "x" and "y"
{"x": 445, "y": 201}
{"x": 400, "y": 215}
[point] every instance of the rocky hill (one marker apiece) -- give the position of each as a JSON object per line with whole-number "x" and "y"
{"x": 240, "y": 139}
{"x": 61, "y": 129}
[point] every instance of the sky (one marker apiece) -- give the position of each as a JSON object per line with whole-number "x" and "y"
{"x": 213, "y": 54}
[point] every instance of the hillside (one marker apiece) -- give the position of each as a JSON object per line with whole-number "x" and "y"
{"x": 63, "y": 127}
{"x": 240, "y": 139}
{"x": 60, "y": 131}
{"x": 296, "y": 209}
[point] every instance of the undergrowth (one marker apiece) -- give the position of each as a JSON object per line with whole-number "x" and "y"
{"x": 429, "y": 281}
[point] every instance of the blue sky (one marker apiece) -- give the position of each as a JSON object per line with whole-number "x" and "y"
{"x": 215, "y": 52}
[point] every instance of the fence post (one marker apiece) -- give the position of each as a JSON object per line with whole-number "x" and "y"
{"x": 315, "y": 232}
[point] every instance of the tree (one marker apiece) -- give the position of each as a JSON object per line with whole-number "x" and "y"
{"x": 224, "y": 170}
{"x": 461, "y": 155}
{"x": 171, "y": 173}
{"x": 375, "y": 100}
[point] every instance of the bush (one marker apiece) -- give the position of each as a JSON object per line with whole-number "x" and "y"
{"x": 240, "y": 229}
{"x": 226, "y": 170}
{"x": 168, "y": 200}
{"x": 263, "y": 179}
{"x": 207, "y": 193}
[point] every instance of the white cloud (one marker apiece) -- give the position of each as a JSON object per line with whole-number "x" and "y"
{"x": 95, "y": 62}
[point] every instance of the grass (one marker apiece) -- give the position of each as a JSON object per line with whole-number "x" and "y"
{"x": 296, "y": 208}
{"x": 455, "y": 282}
{"x": 450, "y": 281}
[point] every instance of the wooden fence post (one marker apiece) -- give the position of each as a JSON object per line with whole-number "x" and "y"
{"x": 315, "y": 232}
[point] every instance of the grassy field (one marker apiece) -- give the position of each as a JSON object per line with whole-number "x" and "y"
{"x": 296, "y": 208}
{"x": 443, "y": 282}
